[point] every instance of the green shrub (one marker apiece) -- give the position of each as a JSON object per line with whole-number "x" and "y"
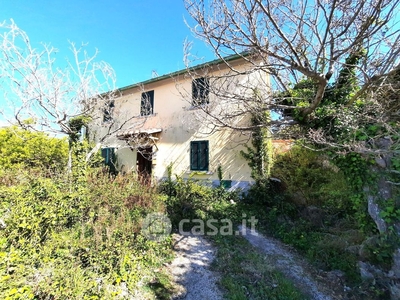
{"x": 310, "y": 182}
{"x": 21, "y": 148}
{"x": 62, "y": 241}
{"x": 311, "y": 179}
{"x": 191, "y": 199}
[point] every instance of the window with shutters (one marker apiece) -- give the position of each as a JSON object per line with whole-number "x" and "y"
{"x": 200, "y": 91}
{"x": 108, "y": 111}
{"x": 108, "y": 155}
{"x": 199, "y": 155}
{"x": 147, "y": 103}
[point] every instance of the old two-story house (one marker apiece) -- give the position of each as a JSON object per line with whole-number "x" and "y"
{"x": 170, "y": 127}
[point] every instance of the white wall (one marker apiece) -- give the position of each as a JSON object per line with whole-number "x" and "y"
{"x": 180, "y": 124}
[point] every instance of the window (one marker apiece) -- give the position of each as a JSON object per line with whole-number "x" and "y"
{"x": 108, "y": 110}
{"x": 199, "y": 155}
{"x": 147, "y": 103}
{"x": 200, "y": 91}
{"x": 109, "y": 157}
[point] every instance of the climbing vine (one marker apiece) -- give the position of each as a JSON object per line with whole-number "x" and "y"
{"x": 260, "y": 156}
{"x": 356, "y": 170}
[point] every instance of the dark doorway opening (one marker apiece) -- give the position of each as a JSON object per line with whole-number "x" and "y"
{"x": 144, "y": 164}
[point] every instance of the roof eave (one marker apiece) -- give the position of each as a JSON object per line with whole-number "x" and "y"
{"x": 183, "y": 71}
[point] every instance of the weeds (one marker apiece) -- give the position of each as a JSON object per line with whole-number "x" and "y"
{"x": 247, "y": 275}
{"x": 244, "y": 272}
{"x": 67, "y": 243}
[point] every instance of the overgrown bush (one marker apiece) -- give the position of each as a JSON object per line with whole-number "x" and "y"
{"x": 60, "y": 242}
{"x": 317, "y": 209}
{"x": 311, "y": 179}
{"x": 21, "y": 148}
{"x": 191, "y": 199}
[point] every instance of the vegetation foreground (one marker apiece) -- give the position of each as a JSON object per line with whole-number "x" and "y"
{"x": 73, "y": 235}
{"x": 77, "y": 234}
{"x": 66, "y": 242}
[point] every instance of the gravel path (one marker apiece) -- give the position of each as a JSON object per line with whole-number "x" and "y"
{"x": 195, "y": 281}
{"x": 316, "y": 285}
{"x": 190, "y": 269}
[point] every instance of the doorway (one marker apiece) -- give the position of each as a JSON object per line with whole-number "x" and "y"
{"x": 144, "y": 163}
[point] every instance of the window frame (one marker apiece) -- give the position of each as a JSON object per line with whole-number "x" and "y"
{"x": 197, "y": 157}
{"x": 110, "y": 159}
{"x": 108, "y": 154}
{"x": 200, "y": 91}
{"x": 108, "y": 111}
{"x": 149, "y": 96}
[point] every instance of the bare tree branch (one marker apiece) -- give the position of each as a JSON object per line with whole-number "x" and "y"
{"x": 302, "y": 39}
{"x": 42, "y": 94}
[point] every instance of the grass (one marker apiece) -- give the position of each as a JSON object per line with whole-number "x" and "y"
{"x": 245, "y": 272}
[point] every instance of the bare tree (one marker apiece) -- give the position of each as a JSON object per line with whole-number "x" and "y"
{"x": 293, "y": 40}
{"x": 43, "y": 93}
{"x": 297, "y": 43}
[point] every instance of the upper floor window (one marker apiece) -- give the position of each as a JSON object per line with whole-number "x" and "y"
{"x": 108, "y": 110}
{"x": 199, "y": 155}
{"x": 147, "y": 103}
{"x": 200, "y": 91}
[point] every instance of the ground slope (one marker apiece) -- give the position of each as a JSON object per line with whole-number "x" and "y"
{"x": 190, "y": 269}
{"x": 194, "y": 254}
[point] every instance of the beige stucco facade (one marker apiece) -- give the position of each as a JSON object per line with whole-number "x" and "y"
{"x": 174, "y": 123}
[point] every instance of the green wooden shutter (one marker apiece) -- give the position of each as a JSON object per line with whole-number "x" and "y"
{"x": 203, "y": 155}
{"x": 108, "y": 155}
{"x": 199, "y": 158}
{"x": 194, "y": 154}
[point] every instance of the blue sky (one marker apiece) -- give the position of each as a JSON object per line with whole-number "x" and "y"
{"x": 136, "y": 37}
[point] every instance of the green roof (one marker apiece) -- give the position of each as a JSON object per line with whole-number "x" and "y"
{"x": 183, "y": 71}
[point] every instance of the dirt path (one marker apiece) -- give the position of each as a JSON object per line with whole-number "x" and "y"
{"x": 190, "y": 269}
{"x": 317, "y": 285}
{"x": 194, "y": 254}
